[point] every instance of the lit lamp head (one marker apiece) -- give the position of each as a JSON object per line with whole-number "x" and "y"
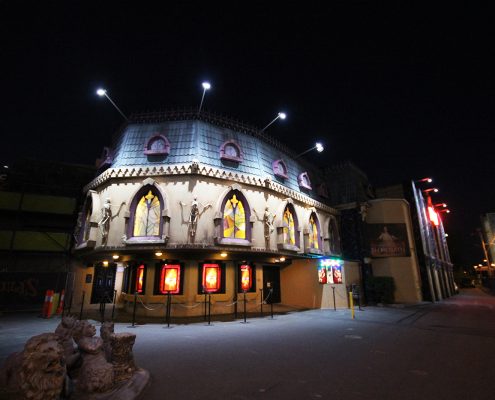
{"x": 426, "y": 180}
{"x": 319, "y": 147}
{"x": 434, "y": 190}
{"x": 282, "y": 115}
{"x": 101, "y": 92}
{"x": 206, "y": 85}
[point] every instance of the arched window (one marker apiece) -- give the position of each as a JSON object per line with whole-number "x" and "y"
{"x": 279, "y": 169}
{"x": 157, "y": 145}
{"x": 234, "y": 217}
{"x": 146, "y": 214}
{"x": 314, "y": 233}
{"x": 304, "y": 181}
{"x": 231, "y": 151}
{"x": 289, "y": 227}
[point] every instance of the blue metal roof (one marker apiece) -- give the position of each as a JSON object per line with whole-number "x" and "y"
{"x": 200, "y": 140}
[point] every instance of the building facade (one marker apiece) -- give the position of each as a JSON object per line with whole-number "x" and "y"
{"x": 189, "y": 204}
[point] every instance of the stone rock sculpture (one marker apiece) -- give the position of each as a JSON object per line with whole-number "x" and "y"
{"x": 100, "y": 368}
{"x": 96, "y": 374}
{"x": 38, "y": 372}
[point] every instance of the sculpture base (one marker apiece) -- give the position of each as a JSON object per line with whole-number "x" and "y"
{"x": 126, "y": 390}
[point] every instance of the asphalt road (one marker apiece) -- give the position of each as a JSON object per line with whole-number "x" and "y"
{"x": 431, "y": 351}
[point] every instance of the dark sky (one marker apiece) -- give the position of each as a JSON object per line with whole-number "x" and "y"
{"x": 404, "y": 92}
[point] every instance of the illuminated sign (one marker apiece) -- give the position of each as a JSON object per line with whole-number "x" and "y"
{"x": 330, "y": 271}
{"x": 140, "y": 279}
{"x": 211, "y": 277}
{"x": 170, "y": 279}
{"x": 246, "y": 278}
{"x": 433, "y": 216}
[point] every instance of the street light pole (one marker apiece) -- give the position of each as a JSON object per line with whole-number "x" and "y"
{"x": 102, "y": 92}
{"x": 206, "y": 86}
{"x": 318, "y": 146}
{"x": 280, "y": 115}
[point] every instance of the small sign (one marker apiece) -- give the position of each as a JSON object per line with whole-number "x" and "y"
{"x": 89, "y": 278}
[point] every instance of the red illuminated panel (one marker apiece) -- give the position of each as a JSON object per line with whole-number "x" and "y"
{"x": 337, "y": 274}
{"x": 140, "y": 279}
{"x": 322, "y": 274}
{"x": 433, "y": 216}
{"x": 211, "y": 277}
{"x": 246, "y": 277}
{"x": 170, "y": 279}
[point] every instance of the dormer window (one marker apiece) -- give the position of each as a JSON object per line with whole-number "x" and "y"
{"x": 231, "y": 151}
{"x": 157, "y": 145}
{"x": 280, "y": 169}
{"x": 304, "y": 181}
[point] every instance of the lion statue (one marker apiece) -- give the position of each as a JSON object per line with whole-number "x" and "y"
{"x": 38, "y": 372}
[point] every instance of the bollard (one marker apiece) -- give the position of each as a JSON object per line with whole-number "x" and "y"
{"x": 134, "y": 310}
{"x": 60, "y": 308}
{"x": 82, "y": 305}
{"x": 334, "y": 305}
{"x": 351, "y": 302}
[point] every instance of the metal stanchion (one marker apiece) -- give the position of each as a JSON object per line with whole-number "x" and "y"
{"x": 334, "y": 305}
{"x": 82, "y": 305}
{"x": 245, "y": 321}
{"x": 271, "y": 302}
{"x": 209, "y": 308}
{"x": 102, "y": 308}
{"x": 262, "y": 301}
{"x": 134, "y": 310}
{"x": 167, "y": 312}
{"x": 113, "y": 306}
{"x": 70, "y": 303}
{"x": 206, "y": 294}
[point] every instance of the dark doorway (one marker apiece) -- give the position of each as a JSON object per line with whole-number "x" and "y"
{"x": 271, "y": 280}
{"x": 103, "y": 284}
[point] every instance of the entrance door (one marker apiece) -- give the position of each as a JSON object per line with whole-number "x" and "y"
{"x": 103, "y": 284}
{"x": 271, "y": 280}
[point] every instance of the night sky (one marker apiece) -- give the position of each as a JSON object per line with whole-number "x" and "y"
{"x": 404, "y": 92}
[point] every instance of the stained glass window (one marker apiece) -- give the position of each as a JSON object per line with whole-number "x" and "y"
{"x": 313, "y": 232}
{"x": 234, "y": 219}
{"x": 147, "y": 216}
{"x": 289, "y": 228}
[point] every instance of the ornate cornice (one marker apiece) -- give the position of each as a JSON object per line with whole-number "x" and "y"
{"x": 209, "y": 171}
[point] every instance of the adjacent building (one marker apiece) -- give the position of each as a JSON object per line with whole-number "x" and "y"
{"x": 38, "y": 210}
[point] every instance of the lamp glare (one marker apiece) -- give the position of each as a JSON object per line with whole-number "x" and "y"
{"x": 319, "y": 147}
{"x": 206, "y": 85}
{"x": 101, "y": 92}
{"x": 282, "y": 115}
